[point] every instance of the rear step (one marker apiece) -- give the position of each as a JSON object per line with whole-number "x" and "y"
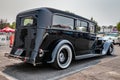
{"x": 15, "y": 57}
{"x": 25, "y": 59}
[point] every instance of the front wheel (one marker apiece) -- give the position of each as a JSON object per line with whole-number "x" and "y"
{"x": 63, "y": 57}
{"x": 111, "y": 50}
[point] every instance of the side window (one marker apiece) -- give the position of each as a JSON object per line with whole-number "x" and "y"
{"x": 92, "y": 28}
{"x": 82, "y": 26}
{"x": 62, "y": 22}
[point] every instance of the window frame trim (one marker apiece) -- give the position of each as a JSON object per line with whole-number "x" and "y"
{"x": 94, "y": 28}
{"x": 63, "y": 15}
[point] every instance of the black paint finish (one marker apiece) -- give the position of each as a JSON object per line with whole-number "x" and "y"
{"x": 42, "y": 36}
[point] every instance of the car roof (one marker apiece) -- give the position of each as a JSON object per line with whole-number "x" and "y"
{"x": 56, "y": 11}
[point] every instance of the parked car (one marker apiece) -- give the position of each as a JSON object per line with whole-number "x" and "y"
{"x": 101, "y": 34}
{"x": 52, "y": 36}
{"x": 114, "y": 37}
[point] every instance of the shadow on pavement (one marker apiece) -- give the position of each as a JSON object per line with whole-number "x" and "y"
{"x": 24, "y": 71}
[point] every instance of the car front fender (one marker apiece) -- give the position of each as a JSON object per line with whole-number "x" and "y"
{"x": 106, "y": 47}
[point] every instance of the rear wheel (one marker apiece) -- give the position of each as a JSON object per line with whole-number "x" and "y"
{"x": 63, "y": 57}
{"x": 111, "y": 50}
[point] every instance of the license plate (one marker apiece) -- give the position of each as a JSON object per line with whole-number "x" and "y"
{"x": 19, "y": 52}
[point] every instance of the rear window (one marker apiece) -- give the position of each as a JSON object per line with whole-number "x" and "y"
{"x": 28, "y": 21}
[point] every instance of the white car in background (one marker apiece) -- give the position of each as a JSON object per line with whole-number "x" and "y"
{"x": 114, "y": 37}
{"x": 101, "y": 34}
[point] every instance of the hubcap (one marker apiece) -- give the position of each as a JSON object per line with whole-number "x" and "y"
{"x": 62, "y": 57}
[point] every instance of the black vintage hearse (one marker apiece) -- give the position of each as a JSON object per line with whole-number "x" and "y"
{"x": 52, "y": 36}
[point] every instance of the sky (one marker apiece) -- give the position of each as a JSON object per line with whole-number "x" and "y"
{"x": 105, "y": 12}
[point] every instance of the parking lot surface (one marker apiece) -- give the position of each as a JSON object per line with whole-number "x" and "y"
{"x": 107, "y": 69}
{"x": 98, "y": 68}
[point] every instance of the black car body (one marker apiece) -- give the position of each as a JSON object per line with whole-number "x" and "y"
{"x": 52, "y": 36}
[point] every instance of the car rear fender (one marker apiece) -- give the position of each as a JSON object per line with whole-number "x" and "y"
{"x": 59, "y": 44}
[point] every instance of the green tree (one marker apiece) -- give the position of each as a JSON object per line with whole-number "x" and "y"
{"x": 13, "y": 25}
{"x": 103, "y": 27}
{"x": 110, "y": 27}
{"x": 2, "y": 25}
{"x": 97, "y": 26}
{"x": 118, "y": 26}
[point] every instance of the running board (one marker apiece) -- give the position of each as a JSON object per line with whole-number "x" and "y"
{"x": 86, "y": 56}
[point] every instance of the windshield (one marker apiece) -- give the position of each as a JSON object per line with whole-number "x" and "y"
{"x": 113, "y": 34}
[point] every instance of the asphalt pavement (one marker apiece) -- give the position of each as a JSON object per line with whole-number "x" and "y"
{"x": 107, "y": 69}
{"x": 86, "y": 69}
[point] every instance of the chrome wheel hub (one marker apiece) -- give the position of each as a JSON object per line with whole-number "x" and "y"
{"x": 62, "y": 57}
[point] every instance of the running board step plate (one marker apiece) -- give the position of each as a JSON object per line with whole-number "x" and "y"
{"x": 86, "y": 56}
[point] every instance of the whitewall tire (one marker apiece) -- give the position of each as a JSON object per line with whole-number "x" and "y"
{"x": 63, "y": 57}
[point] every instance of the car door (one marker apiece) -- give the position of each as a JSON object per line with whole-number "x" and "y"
{"x": 82, "y": 37}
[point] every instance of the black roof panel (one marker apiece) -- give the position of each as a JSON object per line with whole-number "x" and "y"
{"x": 55, "y": 11}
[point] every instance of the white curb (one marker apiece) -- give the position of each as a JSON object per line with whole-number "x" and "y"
{"x": 7, "y": 76}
